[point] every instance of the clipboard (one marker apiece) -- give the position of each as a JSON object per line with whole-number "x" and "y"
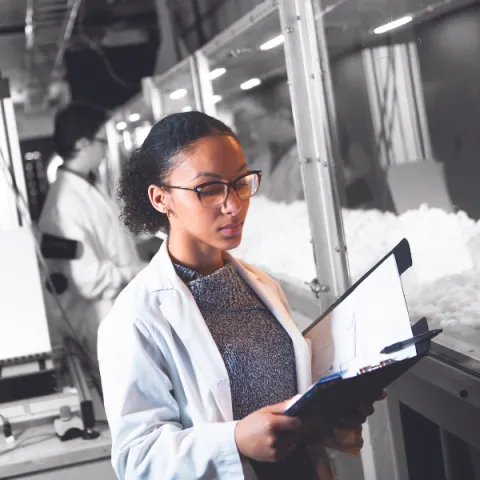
{"x": 403, "y": 259}
{"x": 329, "y": 400}
{"x": 333, "y": 396}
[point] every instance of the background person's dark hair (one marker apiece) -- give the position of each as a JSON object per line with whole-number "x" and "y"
{"x": 153, "y": 162}
{"x": 74, "y": 122}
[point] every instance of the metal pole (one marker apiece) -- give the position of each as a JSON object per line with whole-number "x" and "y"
{"x": 312, "y": 103}
{"x": 313, "y": 109}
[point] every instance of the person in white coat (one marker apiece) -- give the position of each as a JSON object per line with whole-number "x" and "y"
{"x": 199, "y": 355}
{"x": 77, "y": 209}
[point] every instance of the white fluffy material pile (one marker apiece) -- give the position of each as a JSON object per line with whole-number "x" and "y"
{"x": 444, "y": 283}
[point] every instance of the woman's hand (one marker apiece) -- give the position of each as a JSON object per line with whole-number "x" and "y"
{"x": 359, "y": 417}
{"x": 315, "y": 432}
{"x": 268, "y": 435}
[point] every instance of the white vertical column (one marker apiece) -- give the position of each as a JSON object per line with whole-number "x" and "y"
{"x": 152, "y": 97}
{"x": 203, "y": 84}
{"x": 8, "y": 208}
{"x": 14, "y": 210}
{"x": 397, "y": 103}
{"x": 114, "y": 168}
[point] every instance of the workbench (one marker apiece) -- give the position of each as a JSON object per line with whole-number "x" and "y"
{"x": 39, "y": 454}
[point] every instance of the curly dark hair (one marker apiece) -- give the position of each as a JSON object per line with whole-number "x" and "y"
{"x": 154, "y": 161}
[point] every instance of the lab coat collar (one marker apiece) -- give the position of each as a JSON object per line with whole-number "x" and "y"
{"x": 180, "y": 310}
{"x": 164, "y": 277}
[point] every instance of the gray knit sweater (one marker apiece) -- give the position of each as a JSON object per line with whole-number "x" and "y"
{"x": 257, "y": 352}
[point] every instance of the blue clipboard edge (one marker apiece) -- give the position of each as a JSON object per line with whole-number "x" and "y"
{"x": 403, "y": 258}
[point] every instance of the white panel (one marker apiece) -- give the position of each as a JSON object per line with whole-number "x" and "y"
{"x": 8, "y": 208}
{"x": 396, "y": 100}
{"x": 23, "y": 322}
{"x": 16, "y": 159}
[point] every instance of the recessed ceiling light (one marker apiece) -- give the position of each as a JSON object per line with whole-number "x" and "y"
{"x": 273, "y": 42}
{"x": 253, "y": 82}
{"x": 180, "y": 93}
{"x": 134, "y": 117}
{"x": 121, "y": 125}
{"x": 392, "y": 25}
{"x": 218, "y": 72}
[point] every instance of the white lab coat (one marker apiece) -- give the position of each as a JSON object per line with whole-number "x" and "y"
{"x": 166, "y": 389}
{"x": 77, "y": 210}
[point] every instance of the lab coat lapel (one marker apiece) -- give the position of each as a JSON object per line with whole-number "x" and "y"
{"x": 271, "y": 299}
{"x": 180, "y": 309}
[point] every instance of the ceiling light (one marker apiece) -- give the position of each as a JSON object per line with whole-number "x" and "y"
{"x": 178, "y": 94}
{"x": 187, "y": 109}
{"x": 121, "y": 125}
{"x": 218, "y": 72}
{"x": 392, "y": 25}
{"x": 253, "y": 82}
{"x": 272, "y": 43}
{"x": 134, "y": 117}
{"x": 217, "y": 98}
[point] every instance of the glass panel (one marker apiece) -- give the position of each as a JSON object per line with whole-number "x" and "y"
{"x": 250, "y": 88}
{"x": 176, "y": 89}
{"x": 406, "y": 88}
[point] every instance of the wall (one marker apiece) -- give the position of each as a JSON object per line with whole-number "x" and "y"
{"x": 449, "y": 52}
{"x": 34, "y": 125}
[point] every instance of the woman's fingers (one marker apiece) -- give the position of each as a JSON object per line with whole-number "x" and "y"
{"x": 351, "y": 421}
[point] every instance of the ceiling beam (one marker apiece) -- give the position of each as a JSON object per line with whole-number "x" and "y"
{"x": 12, "y": 29}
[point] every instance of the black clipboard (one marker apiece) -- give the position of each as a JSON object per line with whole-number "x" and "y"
{"x": 328, "y": 400}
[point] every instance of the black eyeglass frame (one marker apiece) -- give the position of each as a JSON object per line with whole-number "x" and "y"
{"x": 229, "y": 185}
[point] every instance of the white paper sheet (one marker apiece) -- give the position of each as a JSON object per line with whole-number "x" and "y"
{"x": 23, "y": 321}
{"x": 372, "y": 317}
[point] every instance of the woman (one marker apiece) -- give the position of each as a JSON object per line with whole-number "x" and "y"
{"x": 199, "y": 355}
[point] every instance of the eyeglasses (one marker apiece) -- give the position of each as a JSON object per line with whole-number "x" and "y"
{"x": 215, "y": 194}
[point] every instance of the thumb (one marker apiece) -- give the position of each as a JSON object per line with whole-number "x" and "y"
{"x": 279, "y": 408}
